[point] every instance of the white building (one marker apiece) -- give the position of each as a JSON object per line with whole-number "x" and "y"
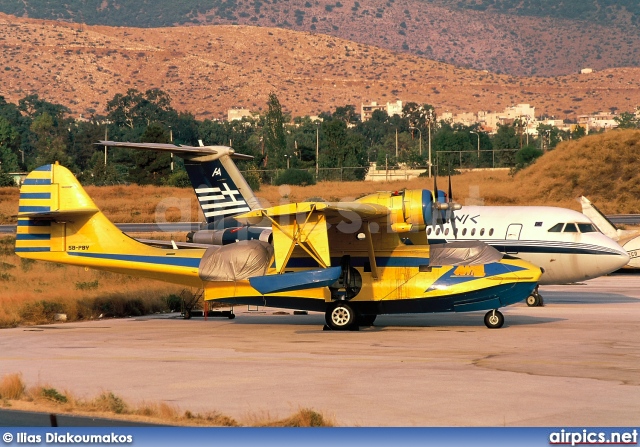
{"x": 392, "y": 108}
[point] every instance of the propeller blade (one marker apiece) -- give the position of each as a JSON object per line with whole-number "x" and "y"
{"x": 435, "y": 186}
{"x": 450, "y": 190}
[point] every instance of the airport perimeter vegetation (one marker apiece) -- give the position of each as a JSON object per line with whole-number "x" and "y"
{"x": 601, "y": 167}
{"x": 16, "y": 395}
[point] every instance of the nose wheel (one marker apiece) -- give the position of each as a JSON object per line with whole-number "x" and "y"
{"x": 494, "y": 319}
{"x": 535, "y": 299}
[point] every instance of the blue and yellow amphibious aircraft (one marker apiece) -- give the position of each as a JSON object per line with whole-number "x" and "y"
{"x": 352, "y": 261}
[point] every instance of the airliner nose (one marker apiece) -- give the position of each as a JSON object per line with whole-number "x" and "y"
{"x": 614, "y": 261}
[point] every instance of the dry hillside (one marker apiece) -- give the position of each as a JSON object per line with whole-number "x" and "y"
{"x": 602, "y": 167}
{"x": 210, "y": 69}
{"x": 545, "y": 37}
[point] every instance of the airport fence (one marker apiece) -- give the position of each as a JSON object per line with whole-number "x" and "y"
{"x": 443, "y": 163}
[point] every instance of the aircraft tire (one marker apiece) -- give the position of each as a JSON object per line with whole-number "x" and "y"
{"x": 340, "y": 316}
{"x": 533, "y": 300}
{"x": 494, "y": 319}
{"x": 366, "y": 319}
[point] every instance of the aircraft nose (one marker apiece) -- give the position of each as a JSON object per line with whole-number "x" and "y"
{"x": 616, "y": 260}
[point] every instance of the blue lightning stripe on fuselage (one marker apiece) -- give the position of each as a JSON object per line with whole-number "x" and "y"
{"x": 451, "y": 278}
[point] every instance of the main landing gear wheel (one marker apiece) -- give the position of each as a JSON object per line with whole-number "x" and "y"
{"x": 340, "y": 316}
{"x": 494, "y": 319}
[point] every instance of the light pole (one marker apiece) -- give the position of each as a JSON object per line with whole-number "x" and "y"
{"x": 171, "y": 140}
{"x": 430, "y": 117}
{"x": 288, "y": 157}
{"x": 478, "y": 135}
{"x": 420, "y": 144}
{"x": 317, "y": 146}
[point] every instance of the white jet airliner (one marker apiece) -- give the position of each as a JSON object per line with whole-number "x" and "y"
{"x": 563, "y": 242}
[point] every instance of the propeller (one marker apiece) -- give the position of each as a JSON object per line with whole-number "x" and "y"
{"x": 449, "y": 206}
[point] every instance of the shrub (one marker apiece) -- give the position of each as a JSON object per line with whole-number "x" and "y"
{"x": 53, "y": 395}
{"x": 11, "y": 387}
{"x": 297, "y": 177}
{"x": 110, "y": 402}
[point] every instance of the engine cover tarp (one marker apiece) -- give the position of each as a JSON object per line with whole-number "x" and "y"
{"x": 463, "y": 253}
{"x": 237, "y": 261}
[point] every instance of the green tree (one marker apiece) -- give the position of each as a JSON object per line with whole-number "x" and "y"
{"x": 151, "y": 167}
{"x": 627, "y": 120}
{"x": 135, "y": 109}
{"x": 275, "y": 141}
{"x": 9, "y": 142}
{"x": 50, "y": 145}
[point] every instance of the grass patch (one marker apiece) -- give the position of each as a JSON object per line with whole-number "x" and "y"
{"x": 12, "y": 387}
{"x": 45, "y": 398}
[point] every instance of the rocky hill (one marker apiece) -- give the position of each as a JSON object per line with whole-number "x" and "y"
{"x": 209, "y": 69}
{"x": 543, "y": 37}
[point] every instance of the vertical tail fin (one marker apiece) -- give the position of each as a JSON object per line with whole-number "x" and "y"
{"x": 601, "y": 221}
{"x": 48, "y": 197}
{"x": 58, "y": 221}
{"x": 221, "y": 189}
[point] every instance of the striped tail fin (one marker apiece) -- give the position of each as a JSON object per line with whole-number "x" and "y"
{"x": 47, "y": 196}
{"x": 58, "y": 222}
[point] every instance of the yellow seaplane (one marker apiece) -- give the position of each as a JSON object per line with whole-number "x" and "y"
{"x": 351, "y": 260}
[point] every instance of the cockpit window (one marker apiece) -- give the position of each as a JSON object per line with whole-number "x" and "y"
{"x": 586, "y": 228}
{"x": 557, "y": 228}
{"x": 570, "y": 228}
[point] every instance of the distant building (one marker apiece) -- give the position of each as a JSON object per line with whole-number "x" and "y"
{"x": 600, "y": 120}
{"x": 586, "y": 71}
{"x": 392, "y": 108}
{"x": 238, "y": 114}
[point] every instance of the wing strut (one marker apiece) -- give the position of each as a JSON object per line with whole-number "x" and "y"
{"x": 310, "y": 235}
{"x": 372, "y": 254}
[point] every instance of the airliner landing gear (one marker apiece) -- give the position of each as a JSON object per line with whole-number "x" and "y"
{"x": 494, "y": 319}
{"x": 535, "y": 299}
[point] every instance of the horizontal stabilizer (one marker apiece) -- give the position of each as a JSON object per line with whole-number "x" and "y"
{"x": 59, "y": 215}
{"x": 184, "y": 151}
{"x": 286, "y": 282}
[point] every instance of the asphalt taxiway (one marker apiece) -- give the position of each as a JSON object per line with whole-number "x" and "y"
{"x": 574, "y": 362}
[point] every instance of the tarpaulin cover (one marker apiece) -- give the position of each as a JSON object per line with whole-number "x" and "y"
{"x": 233, "y": 262}
{"x": 463, "y": 253}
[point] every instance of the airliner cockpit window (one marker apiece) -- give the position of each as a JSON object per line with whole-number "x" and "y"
{"x": 557, "y": 228}
{"x": 587, "y": 228}
{"x": 570, "y": 228}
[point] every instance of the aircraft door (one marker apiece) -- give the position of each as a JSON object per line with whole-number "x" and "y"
{"x": 513, "y": 233}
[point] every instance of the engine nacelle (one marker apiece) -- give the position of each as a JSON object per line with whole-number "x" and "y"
{"x": 230, "y": 235}
{"x": 417, "y": 208}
